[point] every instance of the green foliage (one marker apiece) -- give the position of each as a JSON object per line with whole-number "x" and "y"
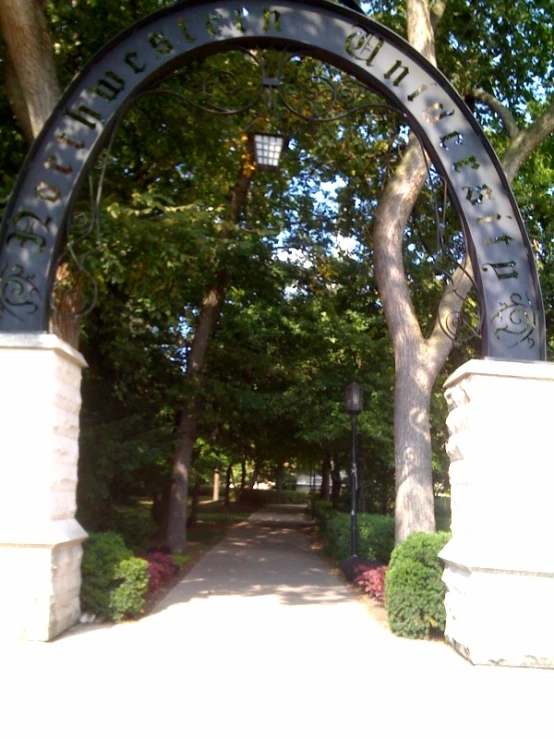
{"x": 136, "y": 526}
{"x": 291, "y": 335}
{"x": 414, "y": 590}
{"x": 114, "y": 581}
{"x": 322, "y": 510}
{"x": 442, "y": 523}
{"x": 337, "y": 536}
{"x": 443, "y": 515}
{"x": 180, "y": 559}
{"x": 127, "y": 599}
{"x": 375, "y": 534}
{"x": 94, "y": 505}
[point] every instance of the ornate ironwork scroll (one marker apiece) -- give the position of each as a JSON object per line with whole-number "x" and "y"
{"x": 278, "y": 82}
{"x": 19, "y": 296}
{"x": 459, "y": 282}
{"x": 75, "y": 292}
{"x": 516, "y": 320}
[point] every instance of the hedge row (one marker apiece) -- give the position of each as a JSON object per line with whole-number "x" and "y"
{"x": 413, "y": 587}
{"x": 375, "y": 533}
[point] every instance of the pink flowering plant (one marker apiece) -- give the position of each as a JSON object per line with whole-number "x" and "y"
{"x": 372, "y": 580}
{"x": 161, "y": 570}
{"x": 368, "y": 574}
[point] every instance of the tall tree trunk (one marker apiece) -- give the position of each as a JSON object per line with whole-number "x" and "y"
{"x": 336, "y": 482}
{"x": 228, "y": 479}
{"x": 242, "y": 476}
{"x": 216, "y": 483}
{"x": 31, "y": 81}
{"x": 413, "y": 381}
{"x": 280, "y": 477}
{"x": 186, "y": 433}
{"x": 325, "y": 472}
{"x": 414, "y": 507}
{"x": 414, "y": 485}
{"x": 254, "y": 476}
{"x": 33, "y": 91}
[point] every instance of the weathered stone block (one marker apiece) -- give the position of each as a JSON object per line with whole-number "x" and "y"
{"x": 499, "y": 564}
{"x": 40, "y": 541}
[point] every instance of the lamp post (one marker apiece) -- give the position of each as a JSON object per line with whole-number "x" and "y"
{"x": 354, "y": 404}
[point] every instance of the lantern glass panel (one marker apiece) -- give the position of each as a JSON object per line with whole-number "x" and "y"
{"x": 354, "y": 398}
{"x": 268, "y": 148}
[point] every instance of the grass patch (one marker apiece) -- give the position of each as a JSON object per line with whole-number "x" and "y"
{"x": 181, "y": 559}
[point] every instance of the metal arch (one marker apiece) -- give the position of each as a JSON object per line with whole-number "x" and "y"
{"x": 34, "y": 225}
{"x": 352, "y": 4}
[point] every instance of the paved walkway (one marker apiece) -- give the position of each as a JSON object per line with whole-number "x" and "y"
{"x": 261, "y": 640}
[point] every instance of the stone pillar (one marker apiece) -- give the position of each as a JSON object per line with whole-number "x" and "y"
{"x": 499, "y": 564}
{"x": 40, "y": 540}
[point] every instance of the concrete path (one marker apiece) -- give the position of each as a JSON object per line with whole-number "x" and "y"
{"x": 259, "y": 641}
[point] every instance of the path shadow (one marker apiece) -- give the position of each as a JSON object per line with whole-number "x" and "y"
{"x": 259, "y": 560}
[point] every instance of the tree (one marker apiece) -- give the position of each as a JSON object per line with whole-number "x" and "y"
{"x": 186, "y": 430}
{"x": 30, "y": 75}
{"x": 498, "y": 57}
{"x": 418, "y": 360}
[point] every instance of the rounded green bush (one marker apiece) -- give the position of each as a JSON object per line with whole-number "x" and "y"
{"x": 127, "y": 599}
{"x": 414, "y": 591}
{"x": 114, "y": 581}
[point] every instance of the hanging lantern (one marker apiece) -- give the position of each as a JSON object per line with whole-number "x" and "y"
{"x": 354, "y": 398}
{"x": 267, "y": 149}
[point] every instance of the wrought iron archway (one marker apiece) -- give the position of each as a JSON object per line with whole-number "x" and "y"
{"x": 34, "y": 226}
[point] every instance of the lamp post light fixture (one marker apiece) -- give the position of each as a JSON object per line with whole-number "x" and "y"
{"x": 354, "y": 405}
{"x": 267, "y": 149}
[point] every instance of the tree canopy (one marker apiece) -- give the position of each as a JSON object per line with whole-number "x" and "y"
{"x": 301, "y": 312}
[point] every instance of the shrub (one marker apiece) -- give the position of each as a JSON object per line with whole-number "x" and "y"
{"x": 162, "y": 568}
{"x": 127, "y": 599}
{"x": 368, "y": 575}
{"x": 136, "y": 526}
{"x": 114, "y": 582}
{"x": 322, "y": 509}
{"x": 375, "y": 536}
{"x": 372, "y": 581}
{"x": 414, "y": 591}
{"x": 336, "y": 536}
